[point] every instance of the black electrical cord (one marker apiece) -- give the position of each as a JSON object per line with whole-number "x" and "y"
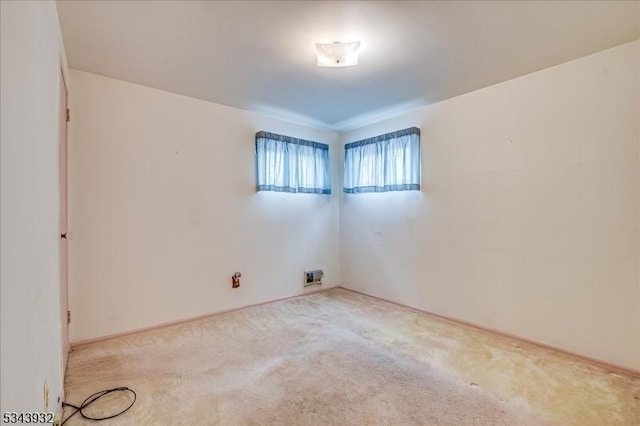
{"x": 93, "y": 398}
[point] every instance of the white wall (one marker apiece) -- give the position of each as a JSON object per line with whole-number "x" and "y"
{"x": 163, "y": 210}
{"x": 527, "y": 221}
{"x": 31, "y": 58}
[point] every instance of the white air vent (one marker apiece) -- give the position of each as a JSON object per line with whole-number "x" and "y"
{"x": 313, "y": 277}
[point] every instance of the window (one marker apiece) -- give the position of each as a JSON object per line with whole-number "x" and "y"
{"x": 389, "y": 162}
{"x": 287, "y": 164}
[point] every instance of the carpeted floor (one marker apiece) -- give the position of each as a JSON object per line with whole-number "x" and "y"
{"x": 340, "y": 358}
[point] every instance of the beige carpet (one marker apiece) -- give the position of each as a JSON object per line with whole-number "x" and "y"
{"x": 339, "y": 358}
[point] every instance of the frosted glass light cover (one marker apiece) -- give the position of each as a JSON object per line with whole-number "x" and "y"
{"x": 338, "y": 54}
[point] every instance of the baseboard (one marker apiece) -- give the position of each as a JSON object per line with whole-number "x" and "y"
{"x": 594, "y": 361}
{"x": 196, "y": 318}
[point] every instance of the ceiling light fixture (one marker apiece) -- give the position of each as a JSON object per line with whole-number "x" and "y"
{"x": 338, "y": 54}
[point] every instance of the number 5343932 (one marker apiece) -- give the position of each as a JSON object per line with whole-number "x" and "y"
{"x": 27, "y": 417}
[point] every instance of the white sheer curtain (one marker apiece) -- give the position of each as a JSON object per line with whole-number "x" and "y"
{"x": 389, "y": 162}
{"x": 287, "y": 164}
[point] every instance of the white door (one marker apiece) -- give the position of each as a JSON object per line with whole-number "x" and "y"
{"x": 64, "y": 253}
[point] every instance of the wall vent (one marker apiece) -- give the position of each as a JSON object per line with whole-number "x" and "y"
{"x": 313, "y": 277}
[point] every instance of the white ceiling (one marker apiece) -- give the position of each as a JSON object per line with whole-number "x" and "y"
{"x": 259, "y": 55}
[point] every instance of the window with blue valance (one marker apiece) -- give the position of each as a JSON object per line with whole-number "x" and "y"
{"x": 286, "y": 164}
{"x": 389, "y": 162}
